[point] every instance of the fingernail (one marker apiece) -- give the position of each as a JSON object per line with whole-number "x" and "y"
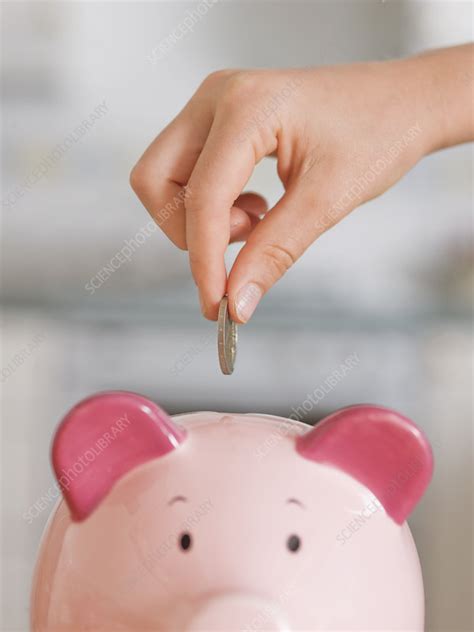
{"x": 247, "y": 300}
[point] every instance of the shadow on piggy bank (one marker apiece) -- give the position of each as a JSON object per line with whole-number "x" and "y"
{"x": 210, "y": 521}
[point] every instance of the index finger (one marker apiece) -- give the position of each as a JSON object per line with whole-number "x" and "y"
{"x": 219, "y": 176}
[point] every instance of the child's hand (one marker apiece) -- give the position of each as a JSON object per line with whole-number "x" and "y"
{"x": 341, "y": 135}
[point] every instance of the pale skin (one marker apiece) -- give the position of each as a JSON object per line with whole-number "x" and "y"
{"x": 328, "y": 128}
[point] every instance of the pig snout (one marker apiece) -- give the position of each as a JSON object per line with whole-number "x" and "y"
{"x": 236, "y": 612}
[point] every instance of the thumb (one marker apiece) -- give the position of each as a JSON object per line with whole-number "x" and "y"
{"x": 273, "y": 247}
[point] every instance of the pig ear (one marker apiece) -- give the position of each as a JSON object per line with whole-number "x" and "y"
{"x": 378, "y": 447}
{"x": 104, "y": 437}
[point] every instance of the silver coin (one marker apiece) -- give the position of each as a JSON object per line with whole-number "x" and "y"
{"x": 226, "y": 339}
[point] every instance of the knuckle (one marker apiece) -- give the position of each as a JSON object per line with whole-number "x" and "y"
{"x": 216, "y": 77}
{"x": 279, "y": 258}
{"x": 139, "y": 178}
{"x": 240, "y": 87}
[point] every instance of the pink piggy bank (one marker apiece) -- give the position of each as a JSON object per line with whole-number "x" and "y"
{"x": 213, "y": 521}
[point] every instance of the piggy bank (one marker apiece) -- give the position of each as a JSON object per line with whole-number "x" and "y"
{"x": 212, "y": 521}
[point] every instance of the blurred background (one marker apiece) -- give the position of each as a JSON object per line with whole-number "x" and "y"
{"x": 392, "y": 283}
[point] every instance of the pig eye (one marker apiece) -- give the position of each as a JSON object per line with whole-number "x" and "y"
{"x": 293, "y": 543}
{"x": 185, "y": 541}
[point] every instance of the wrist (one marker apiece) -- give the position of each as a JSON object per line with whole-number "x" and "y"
{"x": 442, "y": 84}
{"x": 420, "y": 90}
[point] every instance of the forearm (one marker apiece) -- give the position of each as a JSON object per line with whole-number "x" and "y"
{"x": 444, "y": 85}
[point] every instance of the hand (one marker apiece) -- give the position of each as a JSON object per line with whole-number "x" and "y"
{"x": 342, "y": 135}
